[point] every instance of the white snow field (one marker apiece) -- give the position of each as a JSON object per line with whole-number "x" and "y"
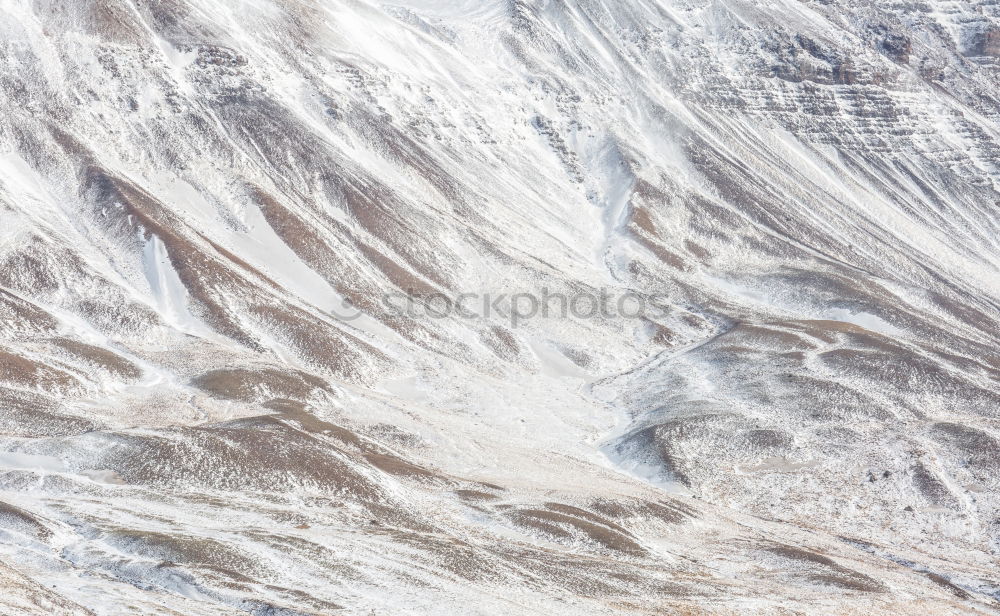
{"x": 208, "y": 404}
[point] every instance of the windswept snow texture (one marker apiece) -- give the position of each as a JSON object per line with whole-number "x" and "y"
{"x": 193, "y": 194}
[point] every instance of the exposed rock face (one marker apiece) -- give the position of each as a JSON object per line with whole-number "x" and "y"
{"x": 229, "y": 228}
{"x": 982, "y": 40}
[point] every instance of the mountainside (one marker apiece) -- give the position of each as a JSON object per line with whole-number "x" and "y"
{"x": 299, "y": 307}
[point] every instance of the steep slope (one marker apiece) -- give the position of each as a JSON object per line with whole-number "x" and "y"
{"x": 227, "y": 383}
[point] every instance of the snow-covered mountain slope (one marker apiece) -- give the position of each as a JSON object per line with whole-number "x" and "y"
{"x": 211, "y": 404}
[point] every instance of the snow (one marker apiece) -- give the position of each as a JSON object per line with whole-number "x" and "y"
{"x": 408, "y": 456}
{"x": 169, "y": 293}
